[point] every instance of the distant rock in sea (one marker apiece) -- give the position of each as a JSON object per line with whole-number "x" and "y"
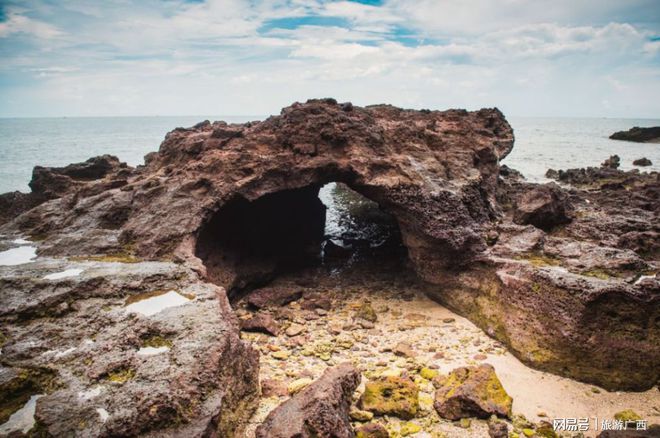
{"x": 639, "y": 135}
{"x": 642, "y": 162}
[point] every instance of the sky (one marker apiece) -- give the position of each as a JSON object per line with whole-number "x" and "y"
{"x": 578, "y": 58}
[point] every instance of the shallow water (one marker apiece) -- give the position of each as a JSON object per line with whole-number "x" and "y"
{"x": 64, "y": 274}
{"x": 156, "y": 303}
{"x": 23, "y": 419}
{"x": 18, "y": 256}
{"x": 151, "y": 351}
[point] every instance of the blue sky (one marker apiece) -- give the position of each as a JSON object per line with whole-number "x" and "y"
{"x": 224, "y": 57}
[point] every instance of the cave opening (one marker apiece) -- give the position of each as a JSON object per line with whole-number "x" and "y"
{"x": 331, "y": 228}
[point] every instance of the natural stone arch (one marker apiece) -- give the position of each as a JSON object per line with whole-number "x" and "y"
{"x": 437, "y": 173}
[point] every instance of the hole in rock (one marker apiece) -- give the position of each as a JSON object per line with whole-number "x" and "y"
{"x": 246, "y": 244}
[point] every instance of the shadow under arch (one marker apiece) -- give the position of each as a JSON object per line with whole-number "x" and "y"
{"x": 246, "y": 243}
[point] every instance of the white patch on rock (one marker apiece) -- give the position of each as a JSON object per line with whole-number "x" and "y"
{"x": 23, "y": 419}
{"x": 18, "y": 256}
{"x": 150, "y": 351}
{"x": 644, "y": 277}
{"x": 103, "y": 414}
{"x": 63, "y": 353}
{"x": 64, "y": 274}
{"x": 21, "y": 242}
{"x": 90, "y": 393}
{"x": 151, "y": 306}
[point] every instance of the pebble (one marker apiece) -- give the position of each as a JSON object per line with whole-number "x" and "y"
{"x": 281, "y": 355}
{"x": 403, "y": 349}
{"x": 298, "y": 385}
{"x": 360, "y": 415}
{"x": 294, "y": 330}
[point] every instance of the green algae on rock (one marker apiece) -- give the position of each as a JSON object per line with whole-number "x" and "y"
{"x": 627, "y": 415}
{"x": 391, "y": 395}
{"x": 472, "y": 392}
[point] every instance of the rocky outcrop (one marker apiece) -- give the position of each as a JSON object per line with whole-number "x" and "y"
{"x": 581, "y": 294}
{"x": 612, "y": 163}
{"x": 391, "y": 395}
{"x": 261, "y": 322}
{"x": 213, "y": 182}
{"x": 471, "y": 392}
{"x": 642, "y": 162}
{"x": 545, "y": 207}
{"x": 111, "y": 359}
{"x": 319, "y": 410}
{"x": 372, "y": 430}
{"x": 639, "y": 135}
{"x": 238, "y": 203}
{"x": 54, "y": 182}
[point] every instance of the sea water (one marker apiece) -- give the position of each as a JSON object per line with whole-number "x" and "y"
{"x": 541, "y": 143}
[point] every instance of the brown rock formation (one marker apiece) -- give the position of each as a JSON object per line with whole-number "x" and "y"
{"x": 236, "y": 203}
{"x": 544, "y": 207}
{"x": 471, "y": 392}
{"x": 319, "y": 410}
{"x": 212, "y": 184}
{"x": 54, "y": 182}
{"x": 639, "y": 135}
{"x": 74, "y": 341}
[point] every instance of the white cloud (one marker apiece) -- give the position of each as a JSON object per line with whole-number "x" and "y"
{"x": 168, "y": 57}
{"x": 17, "y": 23}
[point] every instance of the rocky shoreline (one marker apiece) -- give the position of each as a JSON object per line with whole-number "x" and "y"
{"x": 563, "y": 276}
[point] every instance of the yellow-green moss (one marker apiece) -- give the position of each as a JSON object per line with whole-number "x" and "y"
{"x": 391, "y": 396}
{"x": 18, "y": 390}
{"x": 121, "y": 375}
{"x": 428, "y": 373}
{"x": 366, "y": 312}
{"x": 324, "y": 350}
{"x": 602, "y": 274}
{"x": 539, "y": 259}
{"x": 496, "y": 394}
{"x": 627, "y": 415}
{"x": 482, "y": 381}
{"x": 124, "y": 255}
{"x": 545, "y": 430}
{"x": 465, "y": 423}
{"x": 409, "y": 428}
{"x": 156, "y": 342}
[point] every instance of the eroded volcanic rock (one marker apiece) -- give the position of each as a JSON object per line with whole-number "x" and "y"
{"x": 545, "y": 206}
{"x": 639, "y": 135}
{"x": 584, "y": 293}
{"x": 237, "y": 203}
{"x": 104, "y": 370}
{"x": 319, "y": 410}
{"x": 471, "y": 392}
{"x": 204, "y": 195}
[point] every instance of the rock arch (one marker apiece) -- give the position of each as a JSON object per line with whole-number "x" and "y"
{"x": 437, "y": 173}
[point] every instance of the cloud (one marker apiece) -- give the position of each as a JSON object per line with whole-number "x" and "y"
{"x": 249, "y": 56}
{"x": 17, "y": 23}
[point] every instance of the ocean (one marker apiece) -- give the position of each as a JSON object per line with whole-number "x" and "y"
{"x": 541, "y": 143}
